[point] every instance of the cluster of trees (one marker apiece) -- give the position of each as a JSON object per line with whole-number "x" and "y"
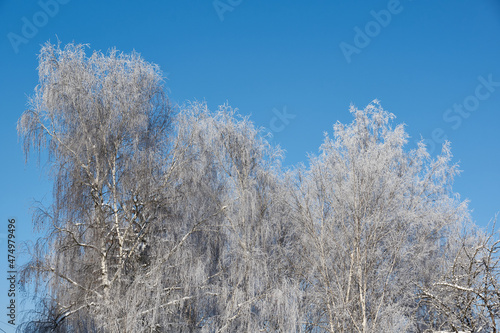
{"x": 183, "y": 219}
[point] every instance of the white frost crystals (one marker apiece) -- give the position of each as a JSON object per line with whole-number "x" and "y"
{"x": 184, "y": 219}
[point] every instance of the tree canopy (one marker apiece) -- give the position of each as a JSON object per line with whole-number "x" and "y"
{"x": 182, "y": 219}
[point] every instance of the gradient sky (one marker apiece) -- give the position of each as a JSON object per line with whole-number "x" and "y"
{"x": 434, "y": 64}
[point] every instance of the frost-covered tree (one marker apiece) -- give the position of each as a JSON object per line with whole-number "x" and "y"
{"x": 153, "y": 227}
{"x": 104, "y": 121}
{"x": 242, "y": 261}
{"x": 466, "y": 297}
{"x": 375, "y": 219}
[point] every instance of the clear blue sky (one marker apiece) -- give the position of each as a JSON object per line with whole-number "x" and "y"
{"x": 434, "y": 64}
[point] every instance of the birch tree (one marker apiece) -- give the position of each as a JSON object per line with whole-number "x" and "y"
{"x": 154, "y": 227}
{"x": 375, "y": 220}
{"x": 103, "y": 120}
{"x": 250, "y": 280}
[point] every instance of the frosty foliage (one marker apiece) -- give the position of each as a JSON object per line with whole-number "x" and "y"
{"x": 183, "y": 219}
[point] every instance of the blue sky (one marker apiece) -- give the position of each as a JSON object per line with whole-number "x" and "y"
{"x": 294, "y": 66}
